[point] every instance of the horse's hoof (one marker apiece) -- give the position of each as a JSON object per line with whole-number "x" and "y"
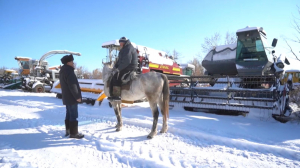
{"x": 149, "y": 137}
{"x": 164, "y": 130}
{"x": 119, "y": 129}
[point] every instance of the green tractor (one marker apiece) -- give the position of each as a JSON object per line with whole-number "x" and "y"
{"x": 10, "y": 79}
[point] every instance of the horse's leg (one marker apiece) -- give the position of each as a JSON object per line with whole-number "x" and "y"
{"x": 117, "y": 108}
{"x": 164, "y": 128}
{"x": 155, "y": 114}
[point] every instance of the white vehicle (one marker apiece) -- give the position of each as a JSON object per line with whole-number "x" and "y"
{"x": 91, "y": 90}
{"x": 37, "y": 75}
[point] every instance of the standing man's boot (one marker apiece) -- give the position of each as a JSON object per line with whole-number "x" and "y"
{"x": 67, "y": 125}
{"x": 74, "y": 130}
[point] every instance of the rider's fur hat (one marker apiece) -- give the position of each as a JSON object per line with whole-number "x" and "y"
{"x": 67, "y": 58}
{"x": 123, "y": 39}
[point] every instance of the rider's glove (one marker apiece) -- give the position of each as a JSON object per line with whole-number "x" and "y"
{"x": 115, "y": 71}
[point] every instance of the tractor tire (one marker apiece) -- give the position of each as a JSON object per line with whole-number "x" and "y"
{"x": 38, "y": 89}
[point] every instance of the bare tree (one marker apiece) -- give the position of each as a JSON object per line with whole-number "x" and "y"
{"x": 215, "y": 40}
{"x": 199, "y": 56}
{"x": 2, "y": 70}
{"x": 176, "y": 55}
{"x": 199, "y": 70}
{"x": 167, "y": 52}
{"x": 82, "y": 71}
{"x": 211, "y": 42}
{"x": 3, "y": 67}
{"x": 230, "y": 38}
{"x": 296, "y": 39}
{"x": 97, "y": 74}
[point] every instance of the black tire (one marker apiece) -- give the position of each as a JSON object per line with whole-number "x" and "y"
{"x": 59, "y": 96}
{"x": 188, "y": 108}
{"x": 38, "y": 89}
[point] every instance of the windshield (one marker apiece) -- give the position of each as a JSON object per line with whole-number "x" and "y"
{"x": 250, "y": 48}
{"x": 25, "y": 64}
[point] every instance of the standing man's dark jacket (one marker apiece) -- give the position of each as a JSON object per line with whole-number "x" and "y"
{"x": 69, "y": 85}
{"x": 127, "y": 58}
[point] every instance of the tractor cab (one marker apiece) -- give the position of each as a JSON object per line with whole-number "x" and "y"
{"x": 24, "y": 65}
{"x": 253, "y": 53}
{"x": 113, "y": 48}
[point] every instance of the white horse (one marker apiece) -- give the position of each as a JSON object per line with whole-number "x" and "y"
{"x": 154, "y": 86}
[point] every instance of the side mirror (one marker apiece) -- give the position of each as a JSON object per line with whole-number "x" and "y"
{"x": 287, "y": 61}
{"x": 274, "y": 42}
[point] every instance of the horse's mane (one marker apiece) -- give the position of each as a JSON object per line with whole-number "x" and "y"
{"x": 106, "y": 72}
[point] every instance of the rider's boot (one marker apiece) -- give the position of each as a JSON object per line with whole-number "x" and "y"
{"x": 116, "y": 94}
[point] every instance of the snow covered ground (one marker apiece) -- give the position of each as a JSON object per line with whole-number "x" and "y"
{"x": 32, "y": 129}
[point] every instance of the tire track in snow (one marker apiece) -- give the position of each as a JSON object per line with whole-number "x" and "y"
{"x": 138, "y": 151}
{"x": 186, "y": 137}
{"x": 192, "y": 136}
{"x": 129, "y": 153}
{"x": 208, "y": 139}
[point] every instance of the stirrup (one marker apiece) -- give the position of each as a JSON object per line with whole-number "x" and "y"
{"x": 113, "y": 98}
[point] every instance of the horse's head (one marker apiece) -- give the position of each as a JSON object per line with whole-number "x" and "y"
{"x": 107, "y": 70}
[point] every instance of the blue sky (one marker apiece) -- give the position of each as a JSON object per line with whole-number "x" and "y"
{"x": 33, "y": 27}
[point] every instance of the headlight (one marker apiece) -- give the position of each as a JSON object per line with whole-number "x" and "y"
{"x": 280, "y": 65}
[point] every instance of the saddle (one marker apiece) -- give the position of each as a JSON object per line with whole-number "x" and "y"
{"x": 127, "y": 77}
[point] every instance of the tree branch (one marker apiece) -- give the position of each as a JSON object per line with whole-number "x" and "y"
{"x": 292, "y": 50}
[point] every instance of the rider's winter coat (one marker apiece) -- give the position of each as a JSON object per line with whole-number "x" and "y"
{"x": 69, "y": 85}
{"x": 127, "y": 57}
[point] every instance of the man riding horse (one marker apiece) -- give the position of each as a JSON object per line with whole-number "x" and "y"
{"x": 127, "y": 62}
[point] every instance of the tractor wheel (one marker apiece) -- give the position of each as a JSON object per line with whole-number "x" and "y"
{"x": 39, "y": 89}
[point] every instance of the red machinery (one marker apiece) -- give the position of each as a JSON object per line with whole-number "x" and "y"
{"x": 151, "y": 60}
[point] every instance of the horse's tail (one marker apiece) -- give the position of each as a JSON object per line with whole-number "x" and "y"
{"x": 166, "y": 97}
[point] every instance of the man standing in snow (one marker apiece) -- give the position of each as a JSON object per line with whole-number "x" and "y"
{"x": 127, "y": 62}
{"x": 71, "y": 96}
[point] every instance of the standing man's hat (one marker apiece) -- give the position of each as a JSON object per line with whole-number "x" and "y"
{"x": 67, "y": 58}
{"x": 123, "y": 39}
